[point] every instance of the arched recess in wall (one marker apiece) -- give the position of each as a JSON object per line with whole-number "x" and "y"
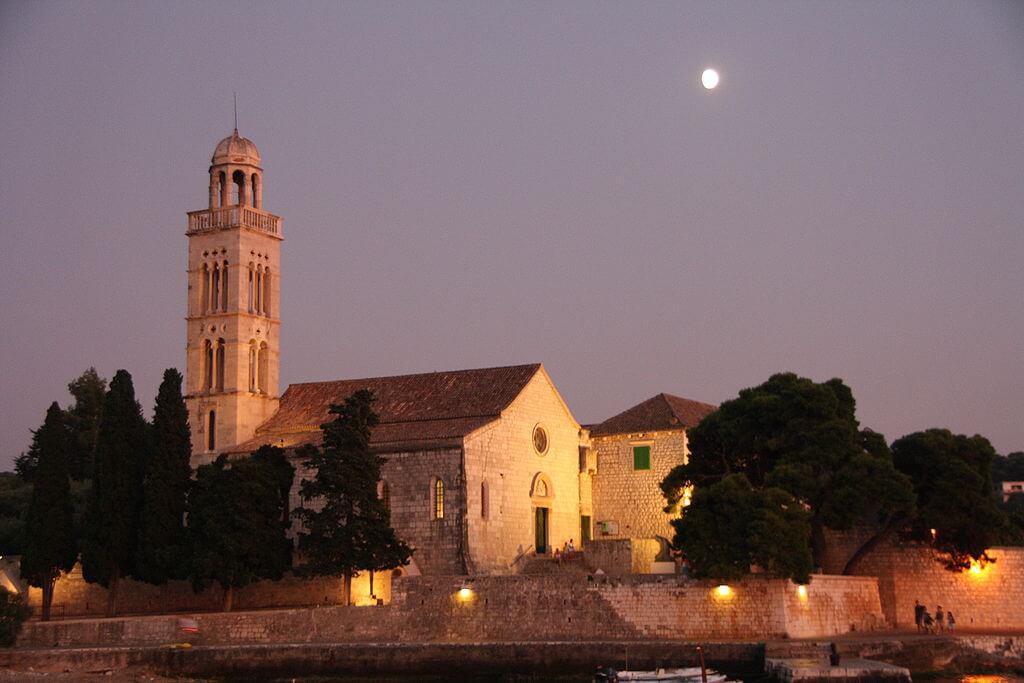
{"x": 252, "y": 364}
{"x": 204, "y": 274}
{"x": 541, "y": 490}
{"x": 224, "y": 287}
{"x": 252, "y": 287}
{"x": 485, "y": 500}
{"x": 207, "y": 365}
{"x": 384, "y": 494}
{"x": 220, "y": 364}
{"x": 266, "y": 291}
{"x": 215, "y": 288}
{"x": 238, "y": 188}
{"x": 264, "y": 366}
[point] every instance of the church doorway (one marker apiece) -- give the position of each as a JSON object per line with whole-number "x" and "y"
{"x": 541, "y": 530}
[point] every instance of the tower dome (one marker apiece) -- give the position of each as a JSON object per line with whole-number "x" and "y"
{"x": 235, "y": 149}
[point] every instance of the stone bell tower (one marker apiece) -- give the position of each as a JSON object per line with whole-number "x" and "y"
{"x": 234, "y": 281}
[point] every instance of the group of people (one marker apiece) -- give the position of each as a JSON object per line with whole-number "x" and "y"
{"x": 926, "y": 623}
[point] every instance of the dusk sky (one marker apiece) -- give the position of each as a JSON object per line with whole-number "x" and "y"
{"x": 491, "y": 183}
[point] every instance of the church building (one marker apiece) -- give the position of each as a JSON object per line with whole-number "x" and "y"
{"x": 484, "y": 468}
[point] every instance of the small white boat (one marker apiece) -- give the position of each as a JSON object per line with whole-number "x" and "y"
{"x": 688, "y": 675}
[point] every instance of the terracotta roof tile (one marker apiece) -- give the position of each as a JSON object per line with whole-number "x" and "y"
{"x": 428, "y": 410}
{"x": 658, "y": 413}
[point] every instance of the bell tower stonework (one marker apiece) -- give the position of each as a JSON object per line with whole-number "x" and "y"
{"x": 234, "y": 280}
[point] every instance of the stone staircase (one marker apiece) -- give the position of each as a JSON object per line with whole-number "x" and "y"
{"x": 543, "y": 565}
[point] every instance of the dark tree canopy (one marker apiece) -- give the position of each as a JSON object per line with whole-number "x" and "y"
{"x": 347, "y": 527}
{"x": 952, "y": 482}
{"x": 803, "y": 438}
{"x": 111, "y": 527}
{"x": 163, "y": 545}
{"x": 238, "y": 521}
{"x": 730, "y": 526}
{"x": 50, "y": 547}
{"x": 1009, "y": 467}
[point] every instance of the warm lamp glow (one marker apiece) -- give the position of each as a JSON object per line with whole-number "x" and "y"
{"x": 723, "y": 591}
{"x": 975, "y": 567}
{"x": 465, "y": 593}
{"x": 801, "y": 590}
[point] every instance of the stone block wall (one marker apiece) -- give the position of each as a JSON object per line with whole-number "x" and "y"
{"x": 515, "y": 608}
{"x": 501, "y": 459}
{"x": 988, "y": 599}
{"x": 832, "y": 604}
{"x": 74, "y": 597}
{"x": 632, "y": 498}
{"x": 439, "y": 543}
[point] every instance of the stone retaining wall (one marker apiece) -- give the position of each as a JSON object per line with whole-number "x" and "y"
{"x": 516, "y": 608}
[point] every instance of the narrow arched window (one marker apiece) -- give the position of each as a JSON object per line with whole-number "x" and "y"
{"x": 211, "y": 431}
{"x": 238, "y": 188}
{"x": 224, "y": 287}
{"x": 205, "y": 275}
{"x": 264, "y": 368}
{"x": 208, "y": 365}
{"x": 259, "y": 289}
{"x": 485, "y": 503}
{"x": 438, "y": 499}
{"x": 215, "y": 288}
{"x": 222, "y": 189}
{"x": 257, "y": 201}
{"x": 252, "y": 278}
{"x": 266, "y": 291}
{"x": 220, "y": 365}
{"x": 384, "y": 494}
{"x": 252, "y": 365}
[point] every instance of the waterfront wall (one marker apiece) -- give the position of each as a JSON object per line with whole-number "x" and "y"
{"x": 74, "y": 597}
{"x": 517, "y": 608}
{"x": 989, "y": 598}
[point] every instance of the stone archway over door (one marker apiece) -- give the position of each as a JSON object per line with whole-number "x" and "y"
{"x": 542, "y": 496}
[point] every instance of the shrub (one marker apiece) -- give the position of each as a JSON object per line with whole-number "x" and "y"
{"x": 13, "y": 613}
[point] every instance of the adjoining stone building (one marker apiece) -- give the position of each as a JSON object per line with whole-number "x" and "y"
{"x": 634, "y": 451}
{"x": 483, "y": 468}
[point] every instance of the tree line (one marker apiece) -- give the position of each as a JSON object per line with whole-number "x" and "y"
{"x": 146, "y": 517}
{"x": 773, "y": 470}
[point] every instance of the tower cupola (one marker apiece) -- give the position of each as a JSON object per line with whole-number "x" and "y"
{"x": 236, "y": 178}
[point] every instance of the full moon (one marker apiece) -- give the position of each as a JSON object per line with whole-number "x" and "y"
{"x": 709, "y": 79}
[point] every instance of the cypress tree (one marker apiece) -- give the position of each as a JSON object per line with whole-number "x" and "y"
{"x": 49, "y": 526}
{"x": 347, "y": 527}
{"x": 163, "y": 547}
{"x": 110, "y": 536}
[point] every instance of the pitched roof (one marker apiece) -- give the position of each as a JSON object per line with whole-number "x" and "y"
{"x": 417, "y": 412}
{"x": 659, "y": 413}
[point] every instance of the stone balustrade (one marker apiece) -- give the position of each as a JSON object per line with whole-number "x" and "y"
{"x": 233, "y": 217}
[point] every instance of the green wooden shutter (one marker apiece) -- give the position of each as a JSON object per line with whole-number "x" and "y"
{"x": 641, "y": 457}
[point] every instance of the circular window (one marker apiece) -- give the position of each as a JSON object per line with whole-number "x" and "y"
{"x": 540, "y": 440}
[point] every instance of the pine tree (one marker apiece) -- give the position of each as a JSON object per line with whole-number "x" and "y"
{"x": 163, "y": 546}
{"x": 238, "y": 521}
{"x": 347, "y": 527}
{"x": 49, "y": 526}
{"x": 111, "y": 529}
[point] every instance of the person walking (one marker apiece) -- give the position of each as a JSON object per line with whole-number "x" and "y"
{"x": 940, "y": 619}
{"x": 919, "y": 615}
{"x": 950, "y": 620}
{"x": 929, "y": 623}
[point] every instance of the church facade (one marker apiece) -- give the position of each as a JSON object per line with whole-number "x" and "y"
{"x": 484, "y": 468}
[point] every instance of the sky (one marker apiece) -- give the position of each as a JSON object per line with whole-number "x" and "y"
{"x": 492, "y": 183}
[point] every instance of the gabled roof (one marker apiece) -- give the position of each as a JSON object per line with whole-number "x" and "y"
{"x": 659, "y": 413}
{"x": 417, "y": 412}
